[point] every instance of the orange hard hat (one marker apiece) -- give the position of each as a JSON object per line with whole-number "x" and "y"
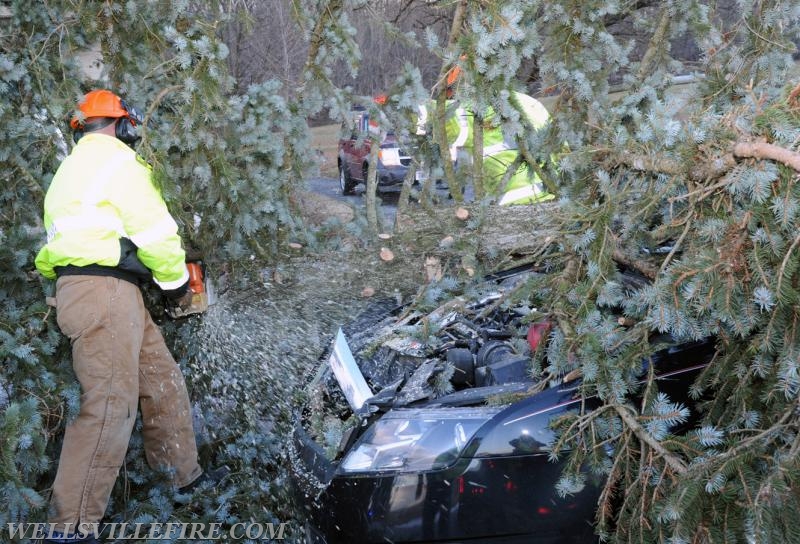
{"x": 99, "y": 103}
{"x": 453, "y": 74}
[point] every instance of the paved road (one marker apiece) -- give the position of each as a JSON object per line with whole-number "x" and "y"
{"x": 330, "y": 187}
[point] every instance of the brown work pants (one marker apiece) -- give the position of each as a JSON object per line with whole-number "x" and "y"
{"x": 121, "y": 360}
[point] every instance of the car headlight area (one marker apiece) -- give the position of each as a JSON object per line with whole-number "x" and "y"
{"x": 414, "y": 440}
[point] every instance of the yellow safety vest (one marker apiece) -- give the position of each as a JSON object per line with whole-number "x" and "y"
{"x": 101, "y": 194}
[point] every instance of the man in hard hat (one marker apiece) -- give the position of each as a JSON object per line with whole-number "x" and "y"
{"x": 108, "y": 232}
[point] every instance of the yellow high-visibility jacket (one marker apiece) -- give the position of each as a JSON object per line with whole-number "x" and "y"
{"x": 499, "y": 154}
{"x": 104, "y": 216}
{"x": 524, "y": 186}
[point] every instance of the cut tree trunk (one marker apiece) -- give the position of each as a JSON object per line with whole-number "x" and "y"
{"x": 497, "y": 237}
{"x": 494, "y": 234}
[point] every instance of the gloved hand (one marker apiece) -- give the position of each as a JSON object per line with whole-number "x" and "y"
{"x": 185, "y": 302}
{"x": 180, "y": 298}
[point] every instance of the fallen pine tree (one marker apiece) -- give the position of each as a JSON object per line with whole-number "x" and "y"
{"x": 699, "y": 196}
{"x": 717, "y": 239}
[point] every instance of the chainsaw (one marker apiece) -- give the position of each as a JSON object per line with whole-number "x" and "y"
{"x": 202, "y": 293}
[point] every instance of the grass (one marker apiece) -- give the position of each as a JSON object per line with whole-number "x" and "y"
{"x": 325, "y": 141}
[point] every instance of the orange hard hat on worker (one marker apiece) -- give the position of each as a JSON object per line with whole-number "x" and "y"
{"x": 99, "y": 103}
{"x": 453, "y": 74}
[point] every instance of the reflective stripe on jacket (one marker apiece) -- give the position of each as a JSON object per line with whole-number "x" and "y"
{"x": 101, "y": 194}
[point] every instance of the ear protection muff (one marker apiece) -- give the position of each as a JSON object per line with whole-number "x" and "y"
{"x": 125, "y": 128}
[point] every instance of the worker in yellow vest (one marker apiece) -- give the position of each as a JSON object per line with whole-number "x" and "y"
{"x": 499, "y": 154}
{"x": 108, "y": 231}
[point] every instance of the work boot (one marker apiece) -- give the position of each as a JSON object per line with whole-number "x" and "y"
{"x": 209, "y": 479}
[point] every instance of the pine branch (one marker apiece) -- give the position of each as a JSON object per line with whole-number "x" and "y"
{"x": 459, "y": 17}
{"x": 405, "y": 190}
{"x": 713, "y": 168}
{"x": 699, "y": 171}
{"x": 510, "y": 171}
{"x": 440, "y": 135}
{"x": 548, "y": 183}
{"x": 607, "y": 495}
{"x": 673, "y": 461}
{"x": 763, "y": 150}
{"x": 372, "y": 187}
{"x": 525, "y": 153}
{"x": 658, "y": 44}
{"x": 675, "y": 247}
{"x": 152, "y": 108}
{"x": 637, "y": 264}
{"x": 759, "y": 438}
{"x": 328, "y": 13}
{"x": 652, "y": 164}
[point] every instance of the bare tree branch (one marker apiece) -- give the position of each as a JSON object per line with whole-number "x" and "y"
{"x": 477, "y": 155}
{"x": 644, "y": 267}
{"x": 439, "y": 133}
{"x": 657, "y": 44}
{"x": 763, "y": 150}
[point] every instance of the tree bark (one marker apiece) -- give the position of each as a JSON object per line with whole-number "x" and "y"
{"x": 439, "y": 132}
{"x": 372, "y": 186}
{"x": 495, "y": 232}
{"x": 477, "y": 156}
{"x": 657, "y": 46}
{"x": 762, "y": 150}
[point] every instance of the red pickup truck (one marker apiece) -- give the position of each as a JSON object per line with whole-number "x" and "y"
{"x": 353, "y": 156}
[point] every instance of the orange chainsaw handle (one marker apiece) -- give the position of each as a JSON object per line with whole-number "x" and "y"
{"x": 195, "y": 277}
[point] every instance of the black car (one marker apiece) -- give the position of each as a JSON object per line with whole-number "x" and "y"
{"x": 416, "y": 462}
